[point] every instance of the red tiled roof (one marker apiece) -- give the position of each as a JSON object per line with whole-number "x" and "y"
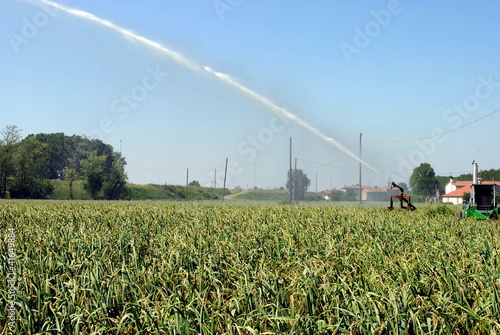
{"x": 458, "y": 193}
{"x": 461, "y": 183}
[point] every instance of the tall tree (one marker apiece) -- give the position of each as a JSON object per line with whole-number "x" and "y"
{"x": 423, "y": 180}
{"x": 70, "y": 174}
{"x": 101, "y": 149}
{"x": 55, "y": 156}
{"x": 93, "y": 168}
{"x": 116, "y": 179}
{"x": 194, "y": 183}
{"x": 29, "y": 163}
{"x": 403, "y": 185}
{"x": 11, "y": 136}
{"x": 298, "y": 183}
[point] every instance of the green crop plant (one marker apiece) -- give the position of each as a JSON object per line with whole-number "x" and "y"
{"x": 174, "y": 268}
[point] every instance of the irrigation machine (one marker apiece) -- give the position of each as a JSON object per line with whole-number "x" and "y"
{"x": 482, "y": 203}
{"x": 404, "y": 201}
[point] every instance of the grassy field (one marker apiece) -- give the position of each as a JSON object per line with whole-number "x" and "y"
{"x": 138, "y": 192}
{"x": 178, "y": 268}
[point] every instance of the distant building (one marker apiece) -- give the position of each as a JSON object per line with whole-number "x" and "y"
{"x": 455, "y": 190}
{"x": 378, "y": 194}
{"x": 454, "y": 185}
{"x": 371, "y": 193}
{"x": 354, "y": 190}
{"x": 326, "y": 195}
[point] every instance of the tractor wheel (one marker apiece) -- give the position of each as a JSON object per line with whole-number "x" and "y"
{"x": 458, "y": 215}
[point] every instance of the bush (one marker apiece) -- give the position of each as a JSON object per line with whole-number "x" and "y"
{"x": 31, "y": 189}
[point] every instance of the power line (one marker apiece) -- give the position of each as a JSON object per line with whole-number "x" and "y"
{"x": 326, "y": 164}
{"x": 427, "y": 109}
{"x": 444, "y": 133}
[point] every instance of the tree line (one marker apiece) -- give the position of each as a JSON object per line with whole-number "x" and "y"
{"x": 28, "y": 164}
{"x": 424, "y": 182}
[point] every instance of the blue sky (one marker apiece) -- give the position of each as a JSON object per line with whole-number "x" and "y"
{"x": 393, "y": 70}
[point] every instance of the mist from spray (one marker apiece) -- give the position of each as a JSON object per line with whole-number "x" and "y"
{"x": 180, "y": 59}
{"x": 283, "y": 112}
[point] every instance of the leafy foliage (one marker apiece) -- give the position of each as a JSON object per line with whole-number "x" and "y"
{"x": 114, "y": 185}
{"x": 93, "y": 168}
{"x": 26, "y": 164}
{"x": 194, "y": 183}
{"x": 339, "y": 195}
{"x": 30, "y": 189}
{"x": 423, "y": 180}
{"x": 11, "y": 137}
{"x": 171, "y": 192}
{"x": 151, "y": 268}
{"x": 486, "y": 175}
{"x": 297, "y": 183}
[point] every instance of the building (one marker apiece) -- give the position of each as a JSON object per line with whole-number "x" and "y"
{"x": 371, "y": 193}
{"x": 353, "y": 191}
{"x": 455, "y": 197}
{"x": 455, "y": 190}
{"x": 454, "y": 185}
{"x": 326, "y": 195}
{"x": 378, "y": 194}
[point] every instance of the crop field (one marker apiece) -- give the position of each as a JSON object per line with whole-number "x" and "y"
{"x": 172, "y": 268}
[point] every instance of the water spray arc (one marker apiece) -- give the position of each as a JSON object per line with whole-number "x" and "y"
{"x": 285, "y": 114}
{"x": 181, "y": 60}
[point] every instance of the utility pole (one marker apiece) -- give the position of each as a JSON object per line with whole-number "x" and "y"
{"x": 224, "y": 188}
{"x": 360, "y": 187}
{"x": 290, "y": 173}
{"x": 187, "y": 184}
{"x": 295, "y": 182}
{"x": 254, "y": 168}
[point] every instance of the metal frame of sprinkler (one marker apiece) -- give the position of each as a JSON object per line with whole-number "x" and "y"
{"x": 404, "y": 201}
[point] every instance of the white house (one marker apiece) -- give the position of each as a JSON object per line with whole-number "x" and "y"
{"x": 455, "y": 190}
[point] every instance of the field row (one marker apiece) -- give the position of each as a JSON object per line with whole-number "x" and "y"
{"x": 138, "y": 268}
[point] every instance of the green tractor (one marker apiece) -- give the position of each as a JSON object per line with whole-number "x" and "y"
{"x": 482, "y": 200}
